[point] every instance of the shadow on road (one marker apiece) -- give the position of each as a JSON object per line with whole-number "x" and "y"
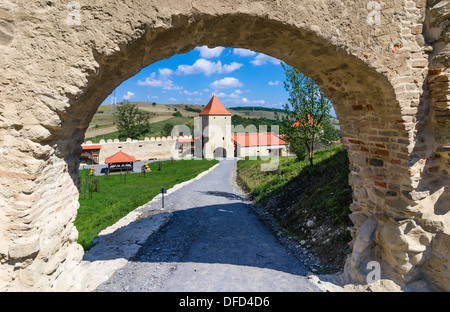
{"x": 222, "y": 233}
{"x": 227, "y": 195}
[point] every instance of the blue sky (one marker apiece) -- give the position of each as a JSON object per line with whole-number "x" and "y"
{"x": 238, "y": 77}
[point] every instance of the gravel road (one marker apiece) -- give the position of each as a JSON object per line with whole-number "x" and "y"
{"x": 213, "y": 243}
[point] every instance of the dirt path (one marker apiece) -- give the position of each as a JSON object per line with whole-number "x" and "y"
{"x": 213, "y": 242}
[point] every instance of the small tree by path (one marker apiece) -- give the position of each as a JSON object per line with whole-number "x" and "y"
{"x": 305, "y": 113}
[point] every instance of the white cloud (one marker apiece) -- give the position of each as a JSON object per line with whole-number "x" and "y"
{"x": 191, "y": 93}
{"x": 206, "y": 52}
{"x": 245, "y": 100}
{"x": 232, "y": 97}
{"x": 236, "y": 94}
{"x": 230, "y": 67}
{"x": 207, "y": 67}
{"x": 259, "y": 102}
{"x": 228, "y": 82}
{"x": 262, "y": 59}
{"x": 221, "y": 95}
{"x": 163, "y": 81}
{"x": 243, "y": 52}
{"x": 236, "y": 98}
{"x": 173, "y": 99}
{"x": 274, "y": 83}
{"x": 165, "y": 72}
{"x": 128, "y": 96}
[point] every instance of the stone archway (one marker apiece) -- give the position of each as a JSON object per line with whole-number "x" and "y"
{"x": 388, "y": 86}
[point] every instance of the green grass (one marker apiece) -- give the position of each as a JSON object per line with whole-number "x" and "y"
{"x": 297, "y": 192}
{"x": 329, "y": 175}
{"x": 115, "y": 200}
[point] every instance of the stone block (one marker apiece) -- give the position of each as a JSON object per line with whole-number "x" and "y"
{"x": 366, "y": 236}
{"x": 24, "y": 247}
{"x": 376, "y": 162}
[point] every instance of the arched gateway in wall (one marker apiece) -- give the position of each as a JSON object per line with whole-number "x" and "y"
{"x": 384, "y": 66}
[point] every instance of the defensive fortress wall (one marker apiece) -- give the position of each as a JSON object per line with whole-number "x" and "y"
{"x": 149, "y": 148}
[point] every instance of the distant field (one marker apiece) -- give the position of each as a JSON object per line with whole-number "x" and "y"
{"x": 104, "y": 119}
{"x": 156, "y": 129}
{"x": 103, "y": 126}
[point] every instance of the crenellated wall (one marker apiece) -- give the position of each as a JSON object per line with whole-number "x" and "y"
{"x": 149, "y": 148}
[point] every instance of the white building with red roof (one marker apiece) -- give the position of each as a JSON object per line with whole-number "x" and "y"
{"x": 219, "y": 139}
{"x": 259, "y": 144}
{"x": 216, "y": 128}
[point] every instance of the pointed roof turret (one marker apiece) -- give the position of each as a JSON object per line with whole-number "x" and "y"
{"x": 215, "y": 107}
{"x": 119, "y": 157}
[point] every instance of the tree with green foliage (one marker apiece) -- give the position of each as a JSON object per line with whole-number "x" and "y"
{"x": 330, "y": 133}
{"x": 305, "y": 114}
{"x": 167, "y": 129}
{"x": 131, "y": 122}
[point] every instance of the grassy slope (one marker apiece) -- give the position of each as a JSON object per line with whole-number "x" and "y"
{"x": 115, "y": 200}
{"x": 296, "y": 193}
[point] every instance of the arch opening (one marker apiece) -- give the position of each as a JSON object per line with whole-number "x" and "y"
{"x": 359, "y": 94}
{"x": 220, "y": 153}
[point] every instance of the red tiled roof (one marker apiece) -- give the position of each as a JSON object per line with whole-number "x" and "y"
{"x": 90, "y": 147}
{"x": 215, "y": 107}
{"x": 188, "y": 140}
{"x": 310, "y": 121}
{"x": 258, "y": 139}
{"x": 119, "y": 157}
{"x": 191, "y": 140}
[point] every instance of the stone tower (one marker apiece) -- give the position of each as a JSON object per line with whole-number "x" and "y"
{"x": 216, "y": 129}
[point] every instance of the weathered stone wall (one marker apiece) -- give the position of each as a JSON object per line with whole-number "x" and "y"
{"x": 434, "y": 177}
{"x": 384, "y": 66}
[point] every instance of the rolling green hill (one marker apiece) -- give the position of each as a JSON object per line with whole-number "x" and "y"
{"x": 103, "y": 126}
